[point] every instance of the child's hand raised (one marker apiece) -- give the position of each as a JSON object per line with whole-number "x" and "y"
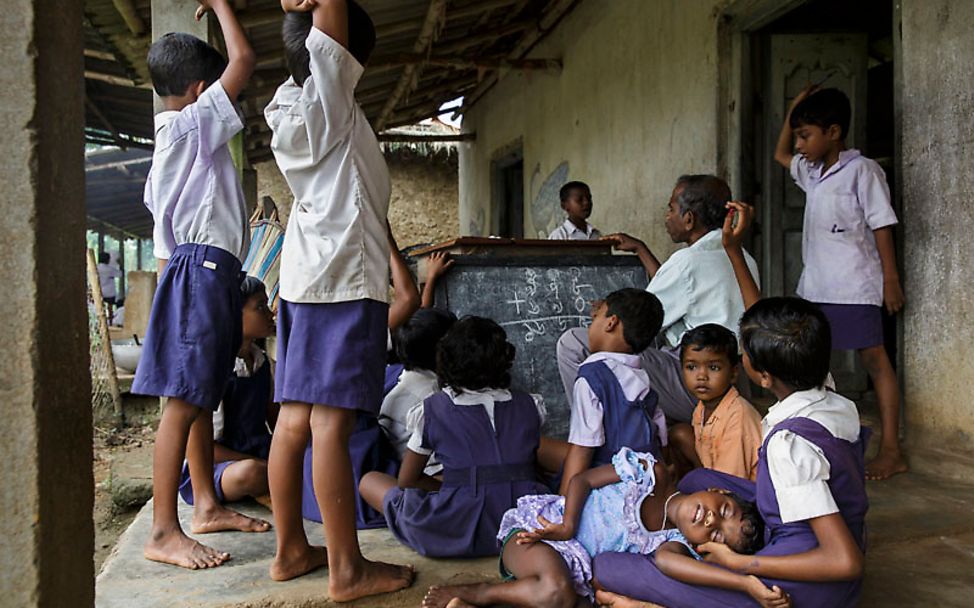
{"x": 437, "y": 264}
{"x": 767, "y": 598}
{"x": 298, "y": 6}
{"x": 802, "y": 95}
{"x": 205, "y": 7}
{"x": 722, "y": 555}
{"x": 549, "y": 531}
{"x": 732, "y": 234}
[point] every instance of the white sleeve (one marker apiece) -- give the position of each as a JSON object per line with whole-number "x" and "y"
{"x": 659, "y": 421}
{"x": 163, "y": 237}
{"x": 541, "y": 407}
{"x": 416, "y": 424}
{"x": 799, "y": 473}
{"x": 799, "y": 171}
{"x": 586, "y": 428}
{"x": 671, "y": 287}
{"x": 218, "y": 423}
{"x": 873, "y": 194}
{"x": 334, "y": 73}
{"x": 216, "y": 117}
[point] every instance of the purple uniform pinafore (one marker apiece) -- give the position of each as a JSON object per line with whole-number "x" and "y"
{"x": 638, "y": 577}
{"x": 626, "y": 423}
{"x": 485, "y": 470}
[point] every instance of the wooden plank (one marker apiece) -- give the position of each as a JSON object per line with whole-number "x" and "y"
{"x": 106, "y": 340}
{"x": 131, "y": 17}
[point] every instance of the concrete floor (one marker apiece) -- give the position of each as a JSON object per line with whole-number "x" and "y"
{"x": 921, "y": 553}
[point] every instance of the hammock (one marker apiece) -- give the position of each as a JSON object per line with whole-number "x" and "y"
{"x": 264, "y": 258}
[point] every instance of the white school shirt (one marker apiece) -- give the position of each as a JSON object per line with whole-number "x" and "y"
{"x": 585, "y": 428}
{"x": 697, "y": 285}
{"x": 193, "y": 190}
{"x": 413, "y": 387}
{"x": 799, "y": 469}
{"x": 240, "y": 370}
{"x": 107, "y": 273}
{"x": 335, "y": 246}
{"x": 485, "y": 397}
{"x": 570, "y": 232}
{"x": 843, "y": 207}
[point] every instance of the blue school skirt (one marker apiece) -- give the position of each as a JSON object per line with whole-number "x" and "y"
{"x": 854, "y": 326}
{"x": 194, "y": 328}
{"x": 332, "y": 354}
{"x": 186, "y": 484}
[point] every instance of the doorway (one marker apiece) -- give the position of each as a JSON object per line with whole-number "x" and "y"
{"x": 507, "y": 192}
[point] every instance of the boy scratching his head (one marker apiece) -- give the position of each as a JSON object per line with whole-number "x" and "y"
{"x": 576, "y": 200}
{"x": 613, "y": 404}
{"x": 726, "y": 430}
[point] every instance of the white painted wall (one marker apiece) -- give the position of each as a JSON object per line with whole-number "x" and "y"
{"x": 633, "y": 109}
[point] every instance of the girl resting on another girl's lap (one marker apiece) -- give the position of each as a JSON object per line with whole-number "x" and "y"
{"x": 631, "y": 505}
{"x": 484, "y": 435}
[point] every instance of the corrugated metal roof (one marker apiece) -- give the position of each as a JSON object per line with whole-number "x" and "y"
{"x": 114, "y": 183}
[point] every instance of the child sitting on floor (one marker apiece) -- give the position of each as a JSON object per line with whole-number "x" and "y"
{"x": 576, "y": 201}
{"x": 726, "y": 431}
{"x": 486, "y": 437}
{"x": 613, "y": 404}
{"x": 243, "y": 421}
{"x": 631, "y": 505}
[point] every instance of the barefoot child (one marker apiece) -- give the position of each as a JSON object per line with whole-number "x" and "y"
{"x": 242, "y": 424}
{"x": 332, "y": 323}
{"x": 201, "y": 236}
{"x": 576, "y": 202}
{"x": 847, "y": 247}
{"x": 726, "y": 431}
{"x": 485, "y": 436}
{"x": 630, "y": 505}
{"x": 613, "y": 404}
{"x": 810, "y": 485}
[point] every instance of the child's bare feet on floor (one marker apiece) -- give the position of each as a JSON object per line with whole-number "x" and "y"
{"x": 607, "y": 598}
{"x": 299, "y": 563}
{"x": 885, "y": 465}
{"x": 175, "y": 548}
{"x": 372, "y": 578}
{"x": 456, "y": 596}
{"x": 221, "y": 519}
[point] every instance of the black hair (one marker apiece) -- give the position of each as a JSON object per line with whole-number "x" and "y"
{"x": 415, "y": 340}
{"x": 713, "y": 337}
{"x": 641, "y": 315}
{"x": 788, "y": 338}
{"x": 473, "y": 355}
{"x": 566, "y": 190}
{"x": 706, "y": 197}
{"x": 297, "y": 26}
{"x": 177, "y": 61}
{"x": 251, "y": 286}
{"x": 752, "y": 525}
{"x": 104, "y": 257}
{"x": 823, "y": 109}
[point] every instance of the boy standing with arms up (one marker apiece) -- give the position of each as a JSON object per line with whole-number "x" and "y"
{"x": 201, "y": 235}
{"x": 847, "y": 247}
{"x": 332, "y": 322}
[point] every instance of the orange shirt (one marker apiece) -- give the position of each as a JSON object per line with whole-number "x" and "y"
{"x": 729, "y": 440}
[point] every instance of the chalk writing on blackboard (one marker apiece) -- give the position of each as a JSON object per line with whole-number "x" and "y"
{"x": 540, "y": 305}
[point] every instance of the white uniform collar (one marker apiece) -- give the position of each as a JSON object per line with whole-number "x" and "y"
{"x": 627, "y": 359}
{"x": 240, "y": 364}
{"x": 790, "y": 406}
{"x": 572, "y": 228}
{"x": 486, "y": 396}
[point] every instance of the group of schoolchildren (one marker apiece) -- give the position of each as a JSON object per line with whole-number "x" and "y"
{"x": 668, "y": 471}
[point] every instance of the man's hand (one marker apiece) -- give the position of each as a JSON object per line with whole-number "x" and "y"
{"x": 732, "y": 234}
{"x": 548, "y": 531}
{"x": 298, "y": 6}
{"x": 767, "y": 598}
{"x": 624, "y": 242}
{"x": 893, "y": 296}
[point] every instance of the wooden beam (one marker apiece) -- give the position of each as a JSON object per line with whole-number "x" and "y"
{"x": 495, "y": 63}
{"x": 414, "y": 139}
{"x": 434, "y": 22}
{"x": 120, "y": 81}
{"x": 131, "y": 17}
{"x": 104, "y": 120}
{"x": 103, "y": 55}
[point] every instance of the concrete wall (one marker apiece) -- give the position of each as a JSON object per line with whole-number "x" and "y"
{"x": 45, "y": 432}
{"x": 938, "y": 212}
{"x": 633, "y": 108}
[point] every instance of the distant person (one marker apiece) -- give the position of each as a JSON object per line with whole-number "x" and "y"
{"x": 847, "y": 247}
{"x": 200, "y": 236}
{"x": 107, "y": 273}
{"x": 696, "y": 285}
{"x": 576, "y": 201}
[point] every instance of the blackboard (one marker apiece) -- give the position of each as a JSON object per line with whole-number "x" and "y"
{"x": 535, "y": 299}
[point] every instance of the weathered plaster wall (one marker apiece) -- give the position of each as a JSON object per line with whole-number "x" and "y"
{"x": 633, "y": 108}
{"x": 47, "y": 491}
{"x": 938, "y": 190}
{"x": 424, "y": 203}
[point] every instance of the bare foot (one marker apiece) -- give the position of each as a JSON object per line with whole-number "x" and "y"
{"x": 221, "y": 519}
{"x": 300, "y": 563}
{"x": 265, "y": 500}
{"x": 613, "y": 600}
{"x": 372, "y": 578}
{"x": 455, "y": 596}
{"x": 458, "y": 603}
{"x": 885, "y": 465}
{"x": 174, "y": 547}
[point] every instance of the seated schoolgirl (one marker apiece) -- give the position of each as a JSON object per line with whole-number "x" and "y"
{"x": 485, "y": 436}
{"x": 613, "y": 404}
{"x": 810, "y": 484}
{"x": 243, "y": 421}
{"x": 631, "y": 505}
{"x": 415, "y": 345}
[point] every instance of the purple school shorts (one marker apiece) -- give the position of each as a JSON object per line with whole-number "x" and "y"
{"x": 186, "y": 485}
{"x": 332, "y": 354}
{"x": 194, "y": 328}
{"x": 854, "y": 326}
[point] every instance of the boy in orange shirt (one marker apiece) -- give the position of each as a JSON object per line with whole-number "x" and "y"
{"x": 726, "y": 430}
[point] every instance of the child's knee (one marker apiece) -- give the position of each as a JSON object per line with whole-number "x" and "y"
{"x": 875, "y": 360}
{"x": 681, "y": 434}
{"x": 556, "y": 592}
{"x": 255, "y": 476}
{"x": 334, "y": 422}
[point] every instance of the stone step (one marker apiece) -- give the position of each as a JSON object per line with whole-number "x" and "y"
{"x": 130, "y": 479}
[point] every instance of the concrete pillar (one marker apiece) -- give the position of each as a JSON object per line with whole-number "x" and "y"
{"x": 45, "y": 431}
{"x": 177, "y": 16}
